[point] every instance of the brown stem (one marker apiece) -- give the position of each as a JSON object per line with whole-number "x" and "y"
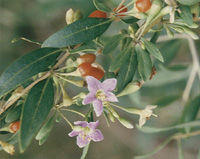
{"x": 10, "y": 103}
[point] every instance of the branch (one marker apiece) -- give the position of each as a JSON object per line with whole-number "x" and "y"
{"x": 11, "y": 102}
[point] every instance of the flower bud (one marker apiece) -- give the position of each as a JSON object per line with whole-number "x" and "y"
{"x": 7, "y": 147}
{"x": 130, "y": 88}
{"x": 126, "y": 123}
{"x": 69, "y": 16}
{"x": 72, "y": 16}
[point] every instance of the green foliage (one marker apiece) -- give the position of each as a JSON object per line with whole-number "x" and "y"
{"x": 26, "y": 67}
{"x": 44, "y": 132}
{"x": 144, "y": 63}
{"x": 127, "y": 70}
{"x": 186, "y": 15}
{"x": 83, "y": 30}
{"x": 112, "y": 44}
{"x": 153, "y": 50}
{"x": 14, "y": 114}
{"x": 189, "y": 3}
{"x": 35, "y": 110}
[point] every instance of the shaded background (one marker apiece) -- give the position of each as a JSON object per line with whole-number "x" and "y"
{"x": 40, "y": 18}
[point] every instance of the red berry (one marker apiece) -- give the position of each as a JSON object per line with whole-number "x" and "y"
{"x": 143, "y": 5}
{"x": 14, "y": 127}
{"x": 122, "y": 11}
{"x": 98, "y": 14}
{"x": 90, "y": 58}
{"x": 86, "y": 69}
{"x": 96, "y": 73}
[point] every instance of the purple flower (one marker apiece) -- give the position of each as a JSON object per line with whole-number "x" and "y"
{"x": 86, "y": 132}
{"x": 100, "y": 93}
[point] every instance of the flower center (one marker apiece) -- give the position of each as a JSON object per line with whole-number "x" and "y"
{"x": 100, "y": 95}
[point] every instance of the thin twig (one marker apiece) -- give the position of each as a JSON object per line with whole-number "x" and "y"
{"x": 8, "y": 104}
{"x": 62, "y": 115}
{"x": 73, "y": 111}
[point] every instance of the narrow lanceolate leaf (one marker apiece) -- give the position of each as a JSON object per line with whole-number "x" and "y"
{"x": 26, "y": 67}
{"x": 35, "y": 111}
{"x": 83, "y": 30}
{"x": 144, "y": 63}
{"x": 112, "y": 44}
{"x": 119, "y": 60}
{"x": 147, "y": 129}
{"x": 153, "y": 50}
{"x": 186, "y": 14}
{"x": 44, "y": 132}
{"x": 127, "y": 70}
{"x": 188, "y": 2}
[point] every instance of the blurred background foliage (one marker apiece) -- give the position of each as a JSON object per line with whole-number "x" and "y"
{"x": 37, "y": 20}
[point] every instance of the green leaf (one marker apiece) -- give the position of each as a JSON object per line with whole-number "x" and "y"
{"x": 14, "y": 114}
{"x": 153, "y": 50}
{"x": 144, "y": 63}
{"x": 101, "y": 6}
{"x": 44, "y": 132}
{"x": 83, "y": 30}
{"x": 130, "y": 20}
{"x": 112, "y": 44}
{"x": 147, "y": 129}
{"x": 85, "y": 151}
{"x": 186, "y": 15}
{"x": 157, "y": 149}
{"x": 188, "y": 2}
{"x": 35, "y": 110}
{"x": 190, "y": 111}
{"x": 169, "y": 49}
{"x": 26, "y": 67}
{"x": 127, "y": 70}
{"x": 119, "y": 60}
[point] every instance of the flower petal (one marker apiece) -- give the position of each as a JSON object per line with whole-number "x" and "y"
{"x": 142, "y": 121}
{"x": 73, "y": 133}
{"x": 111, "y": 97}
{"x": 93, "y": 125}
{"x": 109, "y": 84}
{"x": 82, "y": 141}
{"x": 93, "y": 84}
{"x": 96, "y": 136}
{"x": 89, "y": 98}
{"x": 81, "y": 123}
{"x": 98, "y": 107}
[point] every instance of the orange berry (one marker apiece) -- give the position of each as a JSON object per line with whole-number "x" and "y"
{"x": 98, "y": 14}
{"x": 96, "y": 73}
{"x": 122, "y": 11}
{"x": 14, "y": 127}
{"x": 90, "y": 58}
{"x": 86, "y": 69}
{"x": 143, "y": 5}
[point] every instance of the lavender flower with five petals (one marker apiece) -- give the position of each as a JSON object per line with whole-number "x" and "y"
{"x": 100, "y": 93}
{"x": 86, "y": 132}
